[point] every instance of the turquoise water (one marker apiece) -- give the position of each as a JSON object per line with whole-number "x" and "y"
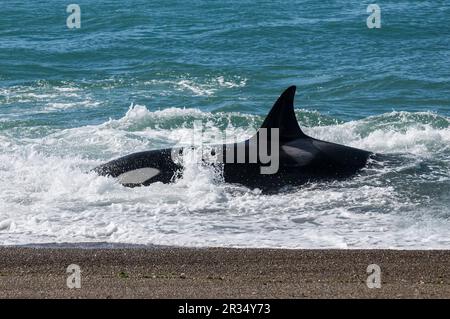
{"x": 137, "y": 74}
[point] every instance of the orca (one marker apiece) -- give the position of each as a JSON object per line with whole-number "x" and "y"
{"x": 299, "y": 158}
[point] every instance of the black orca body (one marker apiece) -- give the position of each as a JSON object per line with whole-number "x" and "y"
{"x": 301, "y": 158}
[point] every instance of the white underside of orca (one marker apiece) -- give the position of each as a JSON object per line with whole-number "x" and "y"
{"x": 138, "y": 176}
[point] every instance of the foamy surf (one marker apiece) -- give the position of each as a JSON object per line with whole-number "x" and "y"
{"x": 48, "y": 194}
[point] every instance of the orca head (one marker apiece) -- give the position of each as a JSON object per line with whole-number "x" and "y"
{"x": 138, "y": 176}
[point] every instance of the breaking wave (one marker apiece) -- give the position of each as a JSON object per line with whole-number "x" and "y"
{"x": 48, "y": 194}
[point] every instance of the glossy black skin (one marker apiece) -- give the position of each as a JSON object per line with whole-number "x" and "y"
{"x": 159, "y": 159}
{"x": 302, "y": 158}
{"x": 300, "y": 161}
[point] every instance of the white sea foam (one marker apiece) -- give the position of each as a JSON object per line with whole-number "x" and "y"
{"x": 201, "y": 88}
{"x": 56, "y": 106}
{"x": 48, "y": 195}
{"x": 415, "y": 138}
{"x": 47, "y": 98}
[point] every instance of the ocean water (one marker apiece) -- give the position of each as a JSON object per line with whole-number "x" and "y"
{"x": 136, "y": 76}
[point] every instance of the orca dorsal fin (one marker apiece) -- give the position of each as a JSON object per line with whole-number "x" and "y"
{"x": 282, "y": 116}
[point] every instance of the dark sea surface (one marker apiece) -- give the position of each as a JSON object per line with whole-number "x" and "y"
{"x": 138, "y": 74}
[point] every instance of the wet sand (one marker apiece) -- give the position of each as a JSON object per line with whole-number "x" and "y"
{"x": 164, "y": 272}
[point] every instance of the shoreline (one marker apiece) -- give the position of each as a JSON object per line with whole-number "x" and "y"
{"x": 120, "y": 245}
{"x": 176, "y": 272}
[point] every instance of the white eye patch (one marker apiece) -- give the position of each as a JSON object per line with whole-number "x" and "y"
{"x": 138, "y": 176}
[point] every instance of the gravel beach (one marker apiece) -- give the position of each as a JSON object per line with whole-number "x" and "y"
{"x": 164, "y": 272}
